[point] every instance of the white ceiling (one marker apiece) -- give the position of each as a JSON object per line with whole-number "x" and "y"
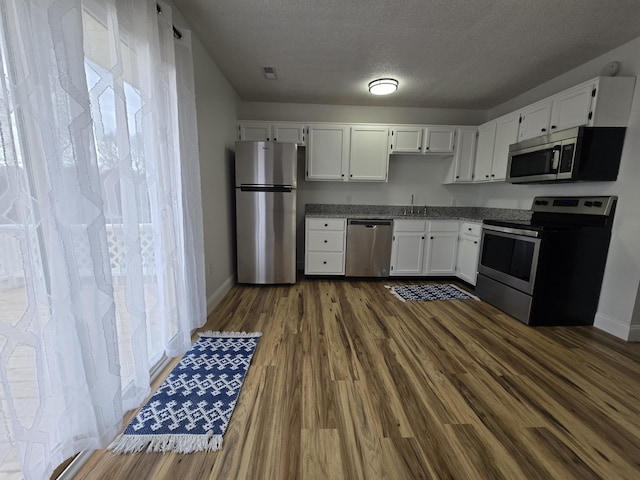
{"x": 446, "y": 53}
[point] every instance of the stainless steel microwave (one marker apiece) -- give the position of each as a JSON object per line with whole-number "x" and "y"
{"x": 580, "y": 154}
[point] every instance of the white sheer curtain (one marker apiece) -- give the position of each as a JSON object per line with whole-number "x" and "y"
{"x": 101, "y": 248}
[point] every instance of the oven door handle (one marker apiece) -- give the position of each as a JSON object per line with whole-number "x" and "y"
{"x": 514, "y": 231}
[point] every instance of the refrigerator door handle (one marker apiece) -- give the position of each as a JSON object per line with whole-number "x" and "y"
{"x": 266, "y": 188}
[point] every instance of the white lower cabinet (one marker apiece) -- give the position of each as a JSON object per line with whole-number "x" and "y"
{"x": 422, "y": 247}
{"x": 468, "y": 251}
{"x": 325, "y": 242}
{"x": 407, "y": 247}
{"x": 442, "y": 247}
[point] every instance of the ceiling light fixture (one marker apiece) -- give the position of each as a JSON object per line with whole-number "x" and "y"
{"x": 383, "y": 86}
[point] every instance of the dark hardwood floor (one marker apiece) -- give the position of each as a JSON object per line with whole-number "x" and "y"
{"x": 349, "y": 382}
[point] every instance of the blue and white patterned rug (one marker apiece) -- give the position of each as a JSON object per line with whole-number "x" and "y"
{"x": 191, "y": 409}
{"x": 413, "y": 293}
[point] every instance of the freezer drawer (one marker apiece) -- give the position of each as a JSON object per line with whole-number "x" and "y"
{"x": 266, "y": 236}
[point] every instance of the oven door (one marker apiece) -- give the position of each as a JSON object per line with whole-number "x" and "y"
{"x": 510, "y": 256}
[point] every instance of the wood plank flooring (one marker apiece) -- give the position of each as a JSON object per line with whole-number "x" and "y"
{"x": 349, "y": 382}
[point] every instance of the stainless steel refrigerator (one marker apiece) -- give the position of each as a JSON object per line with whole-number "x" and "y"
{"x": 266, "y": 212}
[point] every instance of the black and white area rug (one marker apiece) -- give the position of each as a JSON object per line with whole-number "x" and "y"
{"x": 413, "y": 293}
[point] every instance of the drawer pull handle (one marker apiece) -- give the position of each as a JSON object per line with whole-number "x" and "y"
{"x": 326, "y": 224}
{"x": 325, "y": 241}
{"x": 324, "y": 263}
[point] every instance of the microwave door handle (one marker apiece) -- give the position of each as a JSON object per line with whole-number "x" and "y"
{"x": 556, "y": 158}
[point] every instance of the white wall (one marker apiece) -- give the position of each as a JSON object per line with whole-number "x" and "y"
{"x": 216, "y": 105}
{"x": 304, "y": 112}
{"x": 618, "y": 311}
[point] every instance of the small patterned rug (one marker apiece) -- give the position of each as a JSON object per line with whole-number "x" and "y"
{"x": 191, "y": 409}
{"x": 413, "y": 293}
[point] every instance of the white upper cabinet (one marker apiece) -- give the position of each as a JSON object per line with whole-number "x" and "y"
{"x": 406, "y": 139}
{"x": 347, "y": 153}
{"x": 430, "y": 139}
{"x": 327, "y": 152}
{"x": 484, "y": 152}
{"x": 601, "y": 102}
{"x": 288, "y": 132}
{"x": 272, "y": 132}
{"x": 534, "y": 120}
{"x": 256, "y": 131}
{"x": 492, "y": 154}
{"x": 368, "y": 159}
{"x": 571, "y": 107}
{"x": 439, "y": 139}
{"x": 611, "y": 102}
{"x": 506, "y": 134}
{"x": 465, "y": 153}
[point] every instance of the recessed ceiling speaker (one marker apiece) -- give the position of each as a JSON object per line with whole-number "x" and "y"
{"x": 611, "y": 69}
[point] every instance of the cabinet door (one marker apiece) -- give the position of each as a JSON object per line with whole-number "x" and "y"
{"x": 288, "y": 132}
{"x": 506, "y": 134}
{"x": 406, "y": 140}
{"x": 484, "y": 152}
{"x": 534, "y": 120}
{"x": 465, "y": 155}
{"x": 407, "y": 253}
{"x": 327, "y": 152}
{"x": 439, "y": 139}
{"x": 260, "y": 132}
{"x": 571, "y": 108}
{"x": 442, "y": 249}
{"x": 468, "y": 251}
{"x": 368, "y": 158}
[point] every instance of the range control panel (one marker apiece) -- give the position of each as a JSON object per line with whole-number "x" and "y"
{"x": 601, "y": 205}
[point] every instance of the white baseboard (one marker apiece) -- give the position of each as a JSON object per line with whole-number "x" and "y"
{"x": 217, "y": 296}
{"x": 615, "y": 327}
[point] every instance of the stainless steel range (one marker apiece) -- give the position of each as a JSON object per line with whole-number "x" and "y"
{"x": 548, "y": 271}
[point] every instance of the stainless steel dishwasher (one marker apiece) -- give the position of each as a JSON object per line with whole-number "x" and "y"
{"x": 368, "y": 248}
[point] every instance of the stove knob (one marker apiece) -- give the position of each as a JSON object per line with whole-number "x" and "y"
{"x": 588, "y": 203}
{"x": 597, "y": 204}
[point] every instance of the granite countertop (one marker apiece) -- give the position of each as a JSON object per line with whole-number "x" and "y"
{"x": 474, "y": 214}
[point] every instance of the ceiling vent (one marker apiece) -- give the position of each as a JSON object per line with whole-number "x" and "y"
{"x": 269, "y": 73}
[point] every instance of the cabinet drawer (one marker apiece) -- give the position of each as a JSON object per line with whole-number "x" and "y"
{"x": 469, "y": 228}
{"x": 325, "y": 263}
{"x": 329, "y": 241}
{"x": 409, "y": 225}
{"x": 443, "y": 226}
{"x": 326, "y": 223}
